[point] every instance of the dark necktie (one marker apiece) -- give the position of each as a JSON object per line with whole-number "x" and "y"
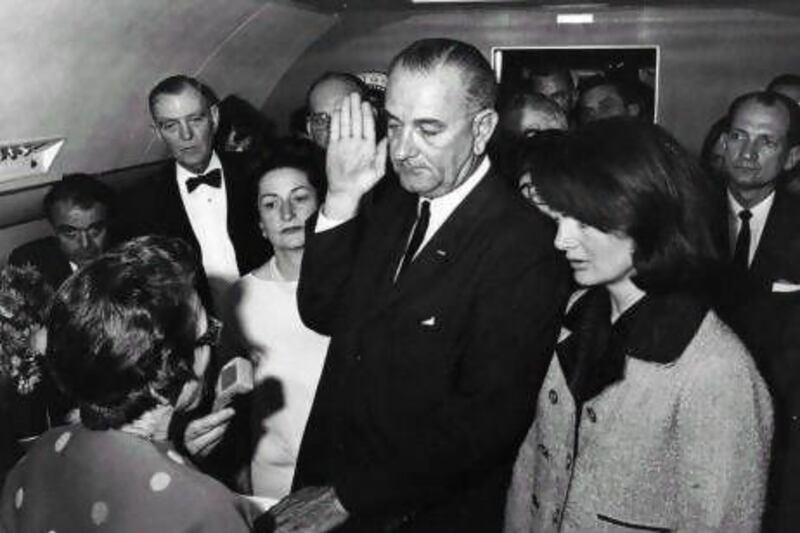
{"x": 421, "y": 226}
{"x": 742, "y": 251}
{"x": 212, "y": 179}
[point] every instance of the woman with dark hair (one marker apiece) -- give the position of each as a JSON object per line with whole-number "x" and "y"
{"x": 287, "y": 356}
{"x": 129, "y": 342}
{"x": 652, "y": 416}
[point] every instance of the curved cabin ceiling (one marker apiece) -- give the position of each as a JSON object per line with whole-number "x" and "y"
{"x": 81, "y": 69}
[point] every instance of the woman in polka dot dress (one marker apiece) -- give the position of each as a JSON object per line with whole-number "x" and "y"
{"x": 129, "y": 341}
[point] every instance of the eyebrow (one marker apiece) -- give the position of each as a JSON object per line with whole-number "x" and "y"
{"x": 299, "y": 187}
{"x": 418, "y": 121}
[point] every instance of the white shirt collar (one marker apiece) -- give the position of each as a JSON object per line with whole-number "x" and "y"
{"x": 758, "y": 220}
{"x": 183, "y": 174}
{"x": 443, "y": 206}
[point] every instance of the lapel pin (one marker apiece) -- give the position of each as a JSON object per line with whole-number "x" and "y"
{"x": 429, "y": 321}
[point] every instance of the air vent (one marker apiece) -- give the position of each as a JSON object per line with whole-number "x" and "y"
{"x": 20, "y": 159}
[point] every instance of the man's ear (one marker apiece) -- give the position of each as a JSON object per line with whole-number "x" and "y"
{"x": 483, "y": 125}
{"x": 214, "y": 112}
{"x": 793, "y": 158}
{"x": 634, "y": 110}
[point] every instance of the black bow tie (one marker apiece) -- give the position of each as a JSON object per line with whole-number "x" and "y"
{"x": 212, "y": 179}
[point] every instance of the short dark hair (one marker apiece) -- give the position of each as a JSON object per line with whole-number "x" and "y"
{"x": 526, "y": 99}
{"x": 298, "y": 153}
{"x": 784, "y": 79}
{"x": 629, "y": 176}
{"x": 123, "y": 326}
{"x": 176, "y": 85}
{"x": 351, "y": 80}
{"x": 427, "y": 54}
{"x": 624, "y": 90}
{"x": 82, "y": 190}
{"x": 551, "y": 71}
{"x": 771, "y": 99}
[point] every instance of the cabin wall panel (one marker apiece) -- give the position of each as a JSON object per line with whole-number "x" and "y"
{"x": 708, "y": 56}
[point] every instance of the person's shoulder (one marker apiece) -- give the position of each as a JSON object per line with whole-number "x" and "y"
{"x": 35, "y": 251}
{"x": 717, "y": 355}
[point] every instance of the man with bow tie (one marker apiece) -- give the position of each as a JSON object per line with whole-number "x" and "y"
{"x": 198, "y": 195}
{"x": 204, "y": 198}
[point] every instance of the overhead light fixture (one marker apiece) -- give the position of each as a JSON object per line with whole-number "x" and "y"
{"x": 575, "y": 18}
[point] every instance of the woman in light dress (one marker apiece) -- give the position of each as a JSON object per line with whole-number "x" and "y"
{"x": 287, "y": 356}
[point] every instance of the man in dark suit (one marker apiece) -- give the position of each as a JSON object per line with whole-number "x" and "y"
{"x": 759, "y": 296}
{"x": 442, "y": 298}
{"x": 80, "y": 210}
{"x": 761, "y": 144}
{"x": 198, "y": 195}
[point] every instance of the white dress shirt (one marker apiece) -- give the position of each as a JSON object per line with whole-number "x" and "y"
{"x": 441, "y": 207}
{"x": 758, "y": 220}
{"x": 207, "y": 210}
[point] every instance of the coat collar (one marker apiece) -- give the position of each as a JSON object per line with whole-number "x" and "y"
{"x": 656, "y": 329}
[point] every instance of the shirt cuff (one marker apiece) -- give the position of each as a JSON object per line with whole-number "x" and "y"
{"x": 324, "y": 223}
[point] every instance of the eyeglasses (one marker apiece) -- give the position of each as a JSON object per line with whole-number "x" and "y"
{"x": 212, "y": 335}
{"x": 319, "y": 120}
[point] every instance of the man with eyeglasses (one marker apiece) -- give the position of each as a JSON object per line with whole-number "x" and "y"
{"x": 80, "y": 210}
{"x": 441, "y": 295}
{"x": 198, "y": 195}
{"x": 325, "y": 95}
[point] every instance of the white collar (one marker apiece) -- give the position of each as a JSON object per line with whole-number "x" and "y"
{"x": 183, "y": 174}
{"x": 447, "y": 203}
{"x": 759, "y": 211}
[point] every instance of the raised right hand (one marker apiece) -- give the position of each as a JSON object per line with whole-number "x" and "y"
{"x": 354, "y": 162}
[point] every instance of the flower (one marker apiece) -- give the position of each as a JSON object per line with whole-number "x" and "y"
{"x": 24, "y": 299}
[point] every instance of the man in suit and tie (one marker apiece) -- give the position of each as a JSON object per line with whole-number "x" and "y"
{"x": 761, "y": 144}
{"x": 760, "y": 296}
{"x": 80, "y": 210}
{"x": 198, "y": 195}
{"x": 442, "y": 296}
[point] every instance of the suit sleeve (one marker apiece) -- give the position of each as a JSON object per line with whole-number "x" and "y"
{"x": 507, "y": 345}
{"x": 328, "y": 259}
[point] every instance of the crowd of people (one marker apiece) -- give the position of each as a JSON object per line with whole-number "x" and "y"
{"x": 467, "y": 308}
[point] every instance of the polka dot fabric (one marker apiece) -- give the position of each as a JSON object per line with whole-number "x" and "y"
{"x": 78, "y": 480}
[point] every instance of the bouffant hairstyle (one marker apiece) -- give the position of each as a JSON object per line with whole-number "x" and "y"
{"x": 122, "y": 329}
{"x": 630, "y": 177}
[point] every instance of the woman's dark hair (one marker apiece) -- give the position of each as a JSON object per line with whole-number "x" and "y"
{"x": 124, "y": 327}
{"x": 300, "y": 154}
{"x": 623, "y": 175}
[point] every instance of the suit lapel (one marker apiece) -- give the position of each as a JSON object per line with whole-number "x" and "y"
{"x": 174, "y": 211}
{"x": 446, "y": 244}
{"x": 776, "y": 235}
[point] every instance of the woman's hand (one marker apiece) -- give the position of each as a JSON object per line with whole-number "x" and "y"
{"x": 354, "y": 162}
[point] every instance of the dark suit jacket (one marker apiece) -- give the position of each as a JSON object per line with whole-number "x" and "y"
{"x": 767, "y": 321}
{"x": 777, "y": 258}
{"x": 429, "y": 384}
{"x": 46, "y": 256}
{"x": 155, "y": 207}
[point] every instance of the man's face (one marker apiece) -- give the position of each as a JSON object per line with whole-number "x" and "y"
{"x": 529, "y": 121}
{"x": 186, "y": 125}
{"x": 756, "y": 147}
{"x": 600, "y": 102}
{"x": 435, "y": 138}
{"x": 82, "y": 233}
{"x": 557, "y": 88}
{"x": 792, "y": 91}
{"x": 322, "y": 101}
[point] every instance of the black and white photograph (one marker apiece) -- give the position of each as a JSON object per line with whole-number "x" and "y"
{"x": 400, "y": 266}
